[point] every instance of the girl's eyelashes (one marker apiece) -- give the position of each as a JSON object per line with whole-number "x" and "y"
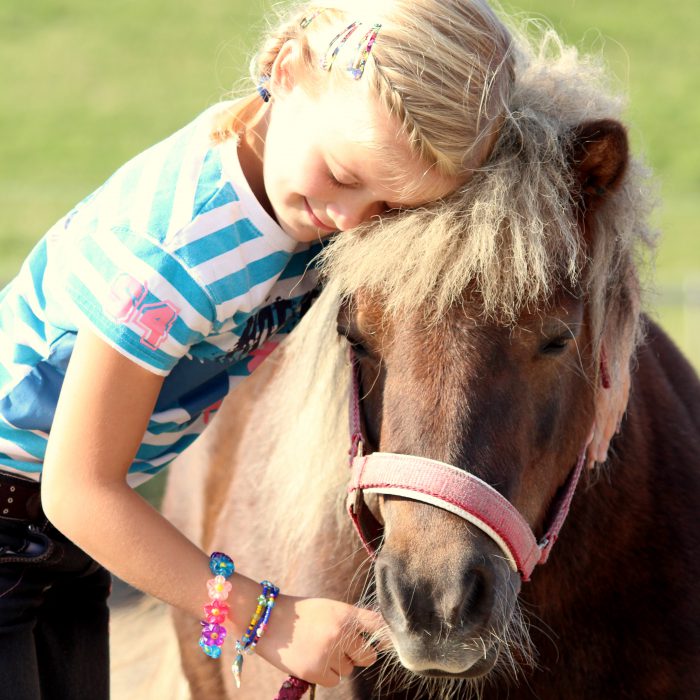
{"x": 335, "y": 182}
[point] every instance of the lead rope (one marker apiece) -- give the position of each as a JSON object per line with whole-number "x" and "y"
{"x": 294, "y": 688}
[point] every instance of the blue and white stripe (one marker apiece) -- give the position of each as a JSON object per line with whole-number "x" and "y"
{"x": 175, "y": 264}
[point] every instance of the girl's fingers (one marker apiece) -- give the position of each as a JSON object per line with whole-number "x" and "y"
{"x": 369, "y": 637}
{"x": 368, "y": 620}
{"x": 346, "y": 667}
{"x": 374, "y": 631}
{"x": 341, "y": 668}
{"x": 360, "y": 652}
{"x": 330, "y": 678}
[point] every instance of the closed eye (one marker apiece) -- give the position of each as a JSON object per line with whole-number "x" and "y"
{"x": 335, "y": 182}
{"x": 556, "y": 345}
{"x": 358, "y": 347}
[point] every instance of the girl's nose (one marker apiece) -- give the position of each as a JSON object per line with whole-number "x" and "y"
{"x": 352, "y": 212}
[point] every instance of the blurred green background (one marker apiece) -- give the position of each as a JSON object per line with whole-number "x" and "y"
{"x": 85, "y": 85}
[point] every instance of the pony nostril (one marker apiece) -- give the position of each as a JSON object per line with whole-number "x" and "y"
{"x": 469, "y": 601}
{"x": 427, "y": 604}
{"x": 407, "y": 601}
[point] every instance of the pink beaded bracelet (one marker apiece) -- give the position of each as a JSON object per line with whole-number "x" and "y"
{"x": 218, "y": 588}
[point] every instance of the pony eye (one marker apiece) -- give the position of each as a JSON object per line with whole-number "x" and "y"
{"x": 555, "y": 345}
{"x": 359, "y": 349}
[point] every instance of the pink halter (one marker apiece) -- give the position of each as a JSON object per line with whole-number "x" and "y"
{"x": 452, "y": 489}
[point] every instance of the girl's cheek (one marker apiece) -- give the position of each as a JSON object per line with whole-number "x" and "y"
{"x": 313, "y": 185}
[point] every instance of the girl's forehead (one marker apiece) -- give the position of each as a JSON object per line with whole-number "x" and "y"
{"x": 393, "y": 174}
{"x": 369, "y": 145}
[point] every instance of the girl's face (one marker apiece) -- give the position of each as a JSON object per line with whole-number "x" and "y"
{"x": 325, "y": 163}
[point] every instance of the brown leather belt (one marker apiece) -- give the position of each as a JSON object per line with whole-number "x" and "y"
{"x": 20, "y": 499}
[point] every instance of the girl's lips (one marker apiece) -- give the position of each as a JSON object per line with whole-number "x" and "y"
{"x": 316, "y": 221}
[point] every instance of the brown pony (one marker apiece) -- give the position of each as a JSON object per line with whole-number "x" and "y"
{"x": 479, "y": 326}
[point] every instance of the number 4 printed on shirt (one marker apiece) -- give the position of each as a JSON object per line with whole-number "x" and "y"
{"x": 156, "y": 320}
{"x": 127, "y": 305}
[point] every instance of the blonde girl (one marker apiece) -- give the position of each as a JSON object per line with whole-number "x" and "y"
{"x": 138, "y": 311}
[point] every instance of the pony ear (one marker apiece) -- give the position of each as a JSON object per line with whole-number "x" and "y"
{"x": 599, "y": 157}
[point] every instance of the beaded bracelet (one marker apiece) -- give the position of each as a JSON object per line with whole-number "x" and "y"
{"x": 213, "y": 630}
{"x": 256, "y": 627}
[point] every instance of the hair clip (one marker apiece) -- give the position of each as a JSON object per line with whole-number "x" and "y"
{"x": 306, "y": 21}
{"x": 336, "y": 44}
{"x": 262, "y": 90}
{"x": 357, "y": 67}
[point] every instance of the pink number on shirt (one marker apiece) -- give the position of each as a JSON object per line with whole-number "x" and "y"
{"x": 126, "y": 305}
{"x": 156, "y": 319}
{"x": 127, "y": 293}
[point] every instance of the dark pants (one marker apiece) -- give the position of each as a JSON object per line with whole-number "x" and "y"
{"x": 53, "y": 616}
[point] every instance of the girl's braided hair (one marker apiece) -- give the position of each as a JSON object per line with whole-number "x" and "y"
{"x": 443, "y": 68}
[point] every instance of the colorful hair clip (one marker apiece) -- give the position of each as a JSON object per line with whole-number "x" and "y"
{"x": 336, "y": 44}
{"x": 357, "y": 67}
{"x": 306, "y": 21}
{"x": 262, "y": 90}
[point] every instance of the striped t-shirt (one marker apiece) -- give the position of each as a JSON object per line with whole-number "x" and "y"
{"x": 177, "y": 266}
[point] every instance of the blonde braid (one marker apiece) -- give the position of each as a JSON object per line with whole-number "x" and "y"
{"x": 394, "y": 103}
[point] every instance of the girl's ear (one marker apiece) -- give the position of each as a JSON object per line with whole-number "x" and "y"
{"x": 286, "y": 68}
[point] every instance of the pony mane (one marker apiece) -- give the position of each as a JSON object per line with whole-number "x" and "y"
{"x": 511, "y": 231}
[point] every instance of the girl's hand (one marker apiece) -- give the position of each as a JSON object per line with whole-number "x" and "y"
{"x": 319, "y": 640}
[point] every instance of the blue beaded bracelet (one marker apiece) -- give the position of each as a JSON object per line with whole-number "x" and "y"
{"x": 256, "y": 627}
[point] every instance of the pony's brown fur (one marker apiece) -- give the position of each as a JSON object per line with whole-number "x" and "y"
{"x": 546, "y": 237}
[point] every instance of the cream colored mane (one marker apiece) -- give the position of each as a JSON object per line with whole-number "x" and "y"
{"x": 511, "y": 230}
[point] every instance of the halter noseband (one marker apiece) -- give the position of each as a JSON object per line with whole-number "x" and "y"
{"x": 450, "y": 488}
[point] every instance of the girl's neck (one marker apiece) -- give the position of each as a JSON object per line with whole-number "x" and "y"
{"x": 253, "y": 118}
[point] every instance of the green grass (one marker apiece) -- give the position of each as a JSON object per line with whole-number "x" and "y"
{"x": 85, "y": 86}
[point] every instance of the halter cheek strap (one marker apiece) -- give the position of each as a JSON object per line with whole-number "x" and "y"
{"x": 449, "y": 488}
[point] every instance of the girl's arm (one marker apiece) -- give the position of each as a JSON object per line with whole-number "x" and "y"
{"x": 102, "y": 414}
